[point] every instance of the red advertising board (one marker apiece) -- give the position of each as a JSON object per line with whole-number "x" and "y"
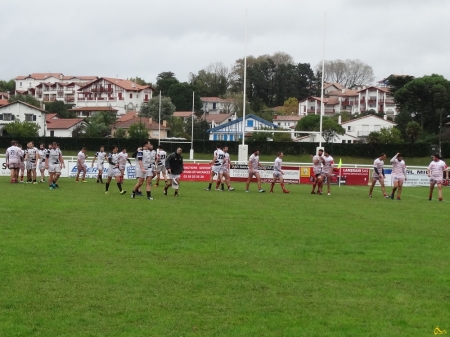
{"x": 196, "y": 172}
{"x": 355, "y": 176}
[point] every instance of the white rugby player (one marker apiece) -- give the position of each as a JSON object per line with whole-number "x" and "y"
{"x": 123, "y": 159}
{"x": 81, "y": 165}
{"x": 13, "y": 160}
{"x": 327, "y": 168}
{"x": 398, "y": 175}
{"x": 226, "y": 169}
{"x": 144, "y": 170}
{"x": 31, "y": 161}
{"x": 42, "y": 154}
{"x": 378, "y": 174}
{"x": 161, "y": 167}
{"x": 100, "y": 158}
{"x": 22, "y": 163}
{"x": 113, "y": 170}
{"x": 253, "y": 167}
{"x": 216, "y": 168}
{"x": 278, "y": 173}
{"x": 436, "y": 171}
{"x": 318, "y": 161}
{"x": 53, "y": 163}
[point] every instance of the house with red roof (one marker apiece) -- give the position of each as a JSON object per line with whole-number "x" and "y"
{"x": 23, "y": 112}
{"x": 63, "y": 127}
{"x": 155, "y": 130}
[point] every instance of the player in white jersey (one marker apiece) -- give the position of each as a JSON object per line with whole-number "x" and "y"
{"x": 42, "y": 154}
{"x": 226, "y": 166}
{"x": 216, "y": 168}
{"x": 113, "y": 170}
{"x": 53, "y": 163}
{"x": 13, "y": 161}
{"x": 253, "y": 166}
{"x": 144, "y": 170}
{"x": 318, "y": 161}
{"x": 278, "y": 173}
{"x": 100, "y": 157}
{"x": 327, "y": 168}
{"x": 123, "y": 159}
{"x": 378, "y": 175}
{"x": 436, "y": 171}
{"x": 161, "y": 165}
{"x": 31, "y": 161}
{"x": 22, "y": 163}
{"x": 81, "y": 165}
{"x": 398, "y": 175}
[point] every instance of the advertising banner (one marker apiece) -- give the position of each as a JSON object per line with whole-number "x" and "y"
{"x": 291, "y": 174}
{"x": 196, "y": 172}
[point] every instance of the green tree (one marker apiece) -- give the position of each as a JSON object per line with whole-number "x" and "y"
{"x": 26, "y": 99}
{"x": 7, "y": 86}
{"x": 139, "y": 81}
{"x": 138, "y": 131}
{"x": 330, "y": 127}
{"x": 22, "y": 129}
{"x": 95, "y": 130}
{"x": 213, "y": 81}
{"x": 290, "y": 106}
{"x": 260, "y": 136}
{"x": 349, "y": 73}
{"x": 282, "y": 136}
{"x": 120, "y": 133}
{"x": 164, "y": 81}
{"x": 58, "y": 107}
{"x": 181, "y": 96}
{"x": 104, "y": 117}
{"x": 390, "y": 136}
{"x": 374, "y": 138}
{"x": 177, "y": 128}
{"x": 413, "y": 131}
{"x": 151, "y": 109}
{"x": 402, "y": 120}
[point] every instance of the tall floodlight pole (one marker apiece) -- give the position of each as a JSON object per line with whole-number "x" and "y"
{"x": 322, "y": 104}
{"x": 159, "y": 120}
{"x": 243, "y": 149}
{"x": 191, "y": 154}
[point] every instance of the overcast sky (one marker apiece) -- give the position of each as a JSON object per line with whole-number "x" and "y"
{"x": 145, "y": 37}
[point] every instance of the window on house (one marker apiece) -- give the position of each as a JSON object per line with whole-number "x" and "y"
{"x": 52, "y": 133}
{"x": 28, "y": 117}
{"x": 343, "y": 141}
{"x": 20, "y": 84}
{"x": 250, "y": 123}
{"x": 349, "y": 128}
{"x": 214, "y": 106}
{"x": 279, "y": 124}
{"x": 131, "y": 95}
{"x": 7, "y": 117}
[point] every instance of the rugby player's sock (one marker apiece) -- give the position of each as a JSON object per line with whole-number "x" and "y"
{"x": 209, "y": 186}
{"x": 107, "y": 187}
{"x": 149, "y": 194}
{"x": 119, "y": 185}
{"x": 222, "y": 187}
{"x": 282, "y": 186}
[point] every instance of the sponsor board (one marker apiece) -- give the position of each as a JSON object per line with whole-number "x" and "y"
{"x": 291, "y": 174}
{"x": 196, "y": 172}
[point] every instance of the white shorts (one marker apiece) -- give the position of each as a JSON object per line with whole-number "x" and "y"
{"x": 14, "y": 165}
{"x": 100, "y": 167}
{"x": 277, "y": 174}
{"x": 161, "y": 168}
{"x": 398, "y": 178}
{"x": 377, "y": 177}
{"x": 253, "y": 173}
{"x": 436, "y": 180}
{"x": 148, "y": 172}
{"x": 174, "y": 176}
{"x": 226, "y": 171}
{"x": 217, "y": 169}
{"x": 327, "y": 174}
{"x": 54, "y": 168}
{"x": 121, "y": 167}
{"x": 42, "y": 165}
{"x": 30, "y": 165}
{"x": 81, "y": 168}
{"x": 113, "y": 171}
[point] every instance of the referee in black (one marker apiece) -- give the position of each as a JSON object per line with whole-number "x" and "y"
{"x": 174, "y": 167}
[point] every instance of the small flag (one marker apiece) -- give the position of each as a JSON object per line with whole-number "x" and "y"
{"x": 340, "y": 163}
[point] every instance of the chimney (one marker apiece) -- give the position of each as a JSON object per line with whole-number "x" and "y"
{"x": 164, "y": 123}
{"x": 275, "y": 116}
{"x": 339, "y": 120}
{"x": 150, "y": 121}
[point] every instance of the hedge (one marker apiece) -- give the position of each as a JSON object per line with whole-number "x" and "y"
{"x": 201, "y": 146}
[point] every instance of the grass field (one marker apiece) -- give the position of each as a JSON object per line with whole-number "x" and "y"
{"x": 77, "y": 262}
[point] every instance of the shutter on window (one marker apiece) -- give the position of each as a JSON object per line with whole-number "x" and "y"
{"x": 1, "y": 117}
{"x": 34, "y": 118}
{"x": 13, "y": 117}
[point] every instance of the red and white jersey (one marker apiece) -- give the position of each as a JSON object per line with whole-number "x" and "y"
{"x": 253, "y": 162}
{"x": 437, "y": 168}
{"x": 378, "y": 164}
{"x": 219, "y": 156}
{"x": 328, "y": 165}
{"x": 277, "y": 165}
{"x": 226, "y": 161}
{"x": 398, "y": 167}
{"x": 122, "y": 159}
{"x": 13, "y": 154}
{"x": 317, "y": 164}
{"x": 81, "y": 158}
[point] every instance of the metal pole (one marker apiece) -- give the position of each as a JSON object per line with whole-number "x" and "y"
{"x": 245, "y": 82}
{"x": 191, "y": 155}
{"x": 322, "y": 105}
{"x": 440, "y": 128}
{"x": 159, "y": 120}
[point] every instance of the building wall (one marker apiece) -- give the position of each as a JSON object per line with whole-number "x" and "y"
{"x": 20, "y": 111}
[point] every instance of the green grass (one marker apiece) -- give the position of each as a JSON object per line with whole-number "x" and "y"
{"x": 77, "y": 262}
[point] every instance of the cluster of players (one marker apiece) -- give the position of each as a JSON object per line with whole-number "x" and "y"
{"x": 151, "y": 164}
